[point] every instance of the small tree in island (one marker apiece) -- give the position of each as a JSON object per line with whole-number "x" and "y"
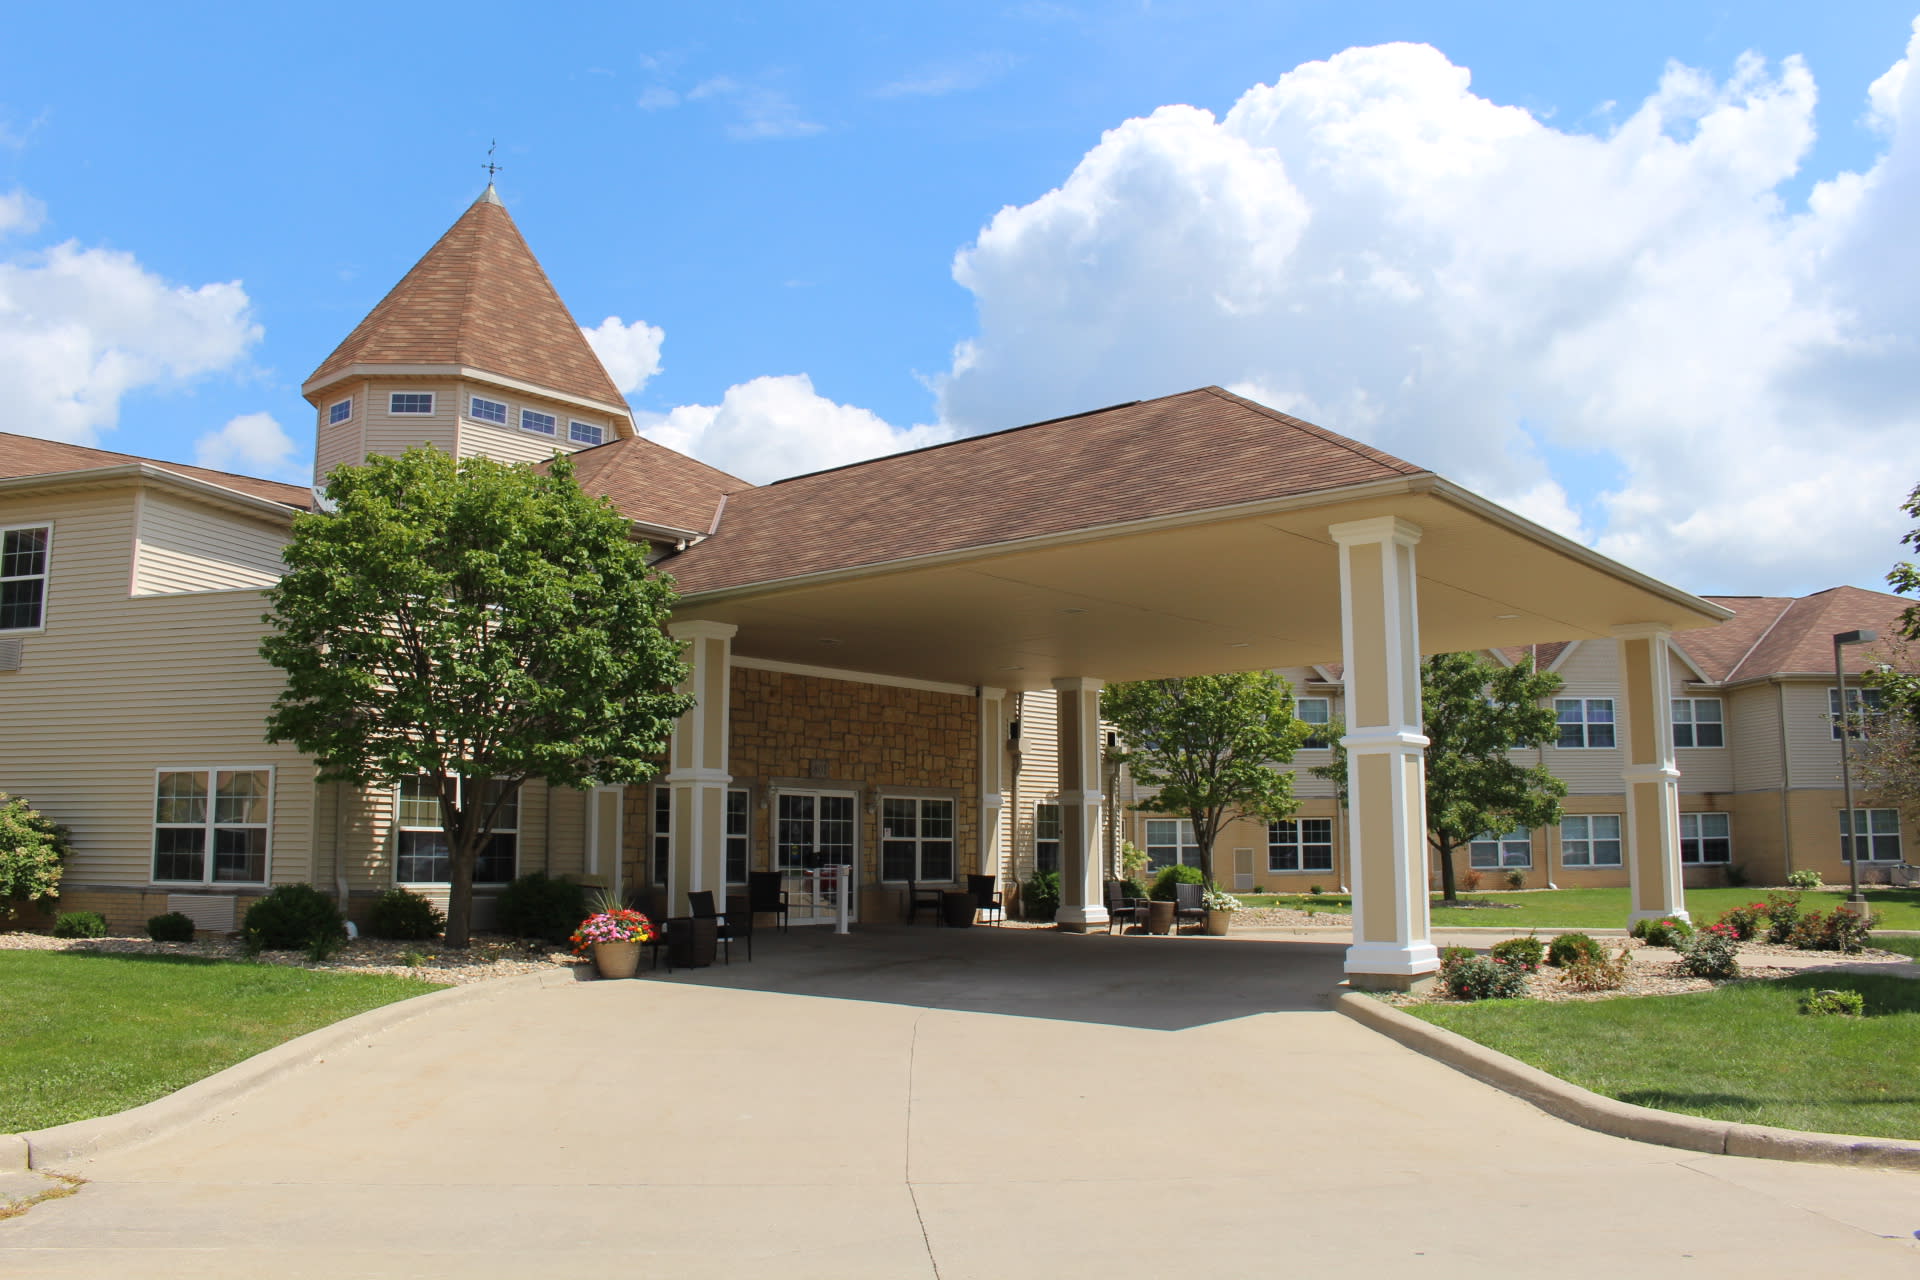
{"x": 475, "y": 621}
{"x": 1209, "y": 744}
{"x": 1475, "y": 712}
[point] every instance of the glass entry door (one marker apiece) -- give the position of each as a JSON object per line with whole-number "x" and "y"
{"x": 814, "y": 829}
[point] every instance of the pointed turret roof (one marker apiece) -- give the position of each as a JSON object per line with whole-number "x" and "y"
{"x": 479, "y": 300}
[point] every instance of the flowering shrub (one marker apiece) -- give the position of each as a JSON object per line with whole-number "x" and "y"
{"x": 1569, "y": 947}
{"x": 1805, "y": 878}
{"x": 1842, "y": 930}
{"x": 1525, "y": 952}
{"x": 618, "y": 925}
{"x": 1474, "y": 977}
{"x": 1783, "y": 912}
{"x": 1711, "y": 953}
{"x": 1592, "y": 971}
{"x": 1669, "y": 932}
{"x": 1220, "y": 900}
{"x": 1744, "y": 921}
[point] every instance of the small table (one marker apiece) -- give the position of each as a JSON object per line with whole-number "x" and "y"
{"x": 1159, "y": 917}
{"x": 691, "y": 942}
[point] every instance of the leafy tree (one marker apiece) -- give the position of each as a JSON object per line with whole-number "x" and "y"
{"x": 32, "y": 849}
{"x": 1475, "y": 712}
{"x": 476, "y": 620}
{"x": 1887, "y": 758}
{"x": 1209, "y": 743}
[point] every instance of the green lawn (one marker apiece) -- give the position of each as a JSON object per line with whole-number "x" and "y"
{"x": 1608, "y": 908}
{"x": 1741, "y": 1052}
{"x": 84, "y": 1034}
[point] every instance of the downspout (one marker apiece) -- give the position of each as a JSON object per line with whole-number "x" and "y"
{"x": 1786, "y": 779}
{"x": 339, "y": 850}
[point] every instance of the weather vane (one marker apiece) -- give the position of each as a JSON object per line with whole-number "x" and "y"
{"x": 490, "y": 166}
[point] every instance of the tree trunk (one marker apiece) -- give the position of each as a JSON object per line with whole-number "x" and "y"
{"x": 1447, "y": 891}
{"x": 460, "y": 898}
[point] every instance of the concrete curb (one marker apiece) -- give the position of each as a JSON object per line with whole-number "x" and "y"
{"x": 1590, "y": 1110}
{"x": 41, "y": 1148}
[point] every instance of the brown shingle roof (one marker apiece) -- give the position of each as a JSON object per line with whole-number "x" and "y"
{"x": 479, "y": 298}
{"x": 653, "y": 484}
{"x": 1187, "y": 452}
{"x": 32, "y": 456}
{"x": 1779, "y": 635}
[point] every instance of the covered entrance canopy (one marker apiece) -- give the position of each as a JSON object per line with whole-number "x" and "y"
{"x": 1196, "y": 534}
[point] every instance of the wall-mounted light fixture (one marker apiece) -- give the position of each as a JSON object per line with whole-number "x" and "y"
{"x": 1013, "y": 733}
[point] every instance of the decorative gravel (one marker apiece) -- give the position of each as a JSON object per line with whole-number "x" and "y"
{"x": 489, "y": 957}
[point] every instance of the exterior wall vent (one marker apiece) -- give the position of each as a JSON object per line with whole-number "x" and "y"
{"x": 12, "y": 653}
{"x": 212, "y": 912}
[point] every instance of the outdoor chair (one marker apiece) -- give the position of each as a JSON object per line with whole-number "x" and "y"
{"x": 931, "y": 898}
{"x": 764, "y": 894}
{"x": 1189, "y": 902}
{"x": 727, "y": 925}
{"x": 986, "y": 898}
{"x": 1122, "y": 910}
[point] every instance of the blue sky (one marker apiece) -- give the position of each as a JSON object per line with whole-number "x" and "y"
{"x": 782, "y": 191}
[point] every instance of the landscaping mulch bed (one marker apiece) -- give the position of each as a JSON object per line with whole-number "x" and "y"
{"x": 489, "y": 957}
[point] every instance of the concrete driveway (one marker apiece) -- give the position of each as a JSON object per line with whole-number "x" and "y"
{"x": 941, "y": 1103}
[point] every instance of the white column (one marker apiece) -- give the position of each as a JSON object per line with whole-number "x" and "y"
{"x": 697, "y": 777}
{"x": 1653, "y": 781}
{"x": 1386, "y": 755}
{"x": 1081, "y": 903}
{"x": 993, "y": 779}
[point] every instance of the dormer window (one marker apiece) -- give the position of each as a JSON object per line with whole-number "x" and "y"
{"x": 410, "y": 402}
{"x": 540, "y": 423}
{"x": 585, "y": 432}
{"x": 339, "y": 412}
{"x": 482, "y": 410}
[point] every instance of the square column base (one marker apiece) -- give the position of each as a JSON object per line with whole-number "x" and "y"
{"x": 1415, "y": 983}
{"x": 1080, "y": 919}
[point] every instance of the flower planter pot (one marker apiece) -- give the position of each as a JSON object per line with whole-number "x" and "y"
{"x": 1217, "y": 922}
{"x": 616, "y": 959}
{"x": 956, "y": 910}
{"x": 1159, "y": 917}
{"x": 692, "y": 943}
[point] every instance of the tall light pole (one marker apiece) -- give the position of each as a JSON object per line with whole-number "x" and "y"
{"x": 1849, "y": 835}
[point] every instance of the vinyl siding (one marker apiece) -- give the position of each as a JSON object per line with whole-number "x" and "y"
{"x": 509, "y": 443}
{"x": 183, "y": 546}
{"x": 393, "y": 434}
{"x": 1813, "y": 753}
{"x": 345, "y": 443}
{"x": 1590, "y": 670}
{"x": 1038, "y": 778}
{"x": 1753, "y": 737}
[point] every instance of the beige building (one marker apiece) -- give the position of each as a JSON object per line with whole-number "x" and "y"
{"x": 861, "y": 640}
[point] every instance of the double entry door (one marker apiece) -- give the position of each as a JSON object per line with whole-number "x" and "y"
{"x": 813, "y": 829}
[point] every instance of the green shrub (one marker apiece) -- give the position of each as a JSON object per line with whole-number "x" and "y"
{"x": 1040, "y": 895}
{"x": 32, "y": 848}
{"x": 1450, "y": 954}
{"x": 1744, "y": 921}
{"x": 1179, "y": 873}
{"x": 1316, "y": 889}
{"x": 1478, "y": 978}
{"x": 80, "y": 924}
{"x": 1839, "y": 930}
{"x": 1805, "y": 878}
{"x": 1525, "y": 953}
{"x": 174, "y": 926}
{"x": 1569, "y": 947}
{"x": 1711, "y": 953}
{"x": 539, "y": 906}
{"x": 1669, "y": 931}
{"x": 1845, "y": 1004}
{"x": 404, "y": 917}
{"x": 292, "y": 918}
{"x": 1594, "y": 972}
{"x": 1131, "y": 888}
{"x": 1783, "y": 913}
{"x": 1516, "y": 879}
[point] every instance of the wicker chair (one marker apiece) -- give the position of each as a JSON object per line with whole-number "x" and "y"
{"x": 764, "y": 894}
{"x": 1189, "y": 903}
{"x": 1122, "y": 910}
{"x": 986, "y": 898}
{"x": 728, "y": 925}
{"x": 932, "y": 898}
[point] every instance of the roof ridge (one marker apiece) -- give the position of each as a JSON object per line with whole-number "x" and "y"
{"x": 1734, "y": 670}
{"x": 1313, "y": 428}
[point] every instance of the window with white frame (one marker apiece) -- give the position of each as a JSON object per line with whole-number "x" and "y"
{"x": 210, "y": 825}
{"x": 481, "y": 409}
{"x": 1584, "y": 722}
{"x": 739, "y": 824}
{"x": 421, "y": 852}
{"x": 410, "y": 402}
{"x": 1046, "y": 836}
{"x": 544, "y": 424}
{"x": 1305, "y": 845}
{"x": 339, "y": 411}
{"x": 585, "y": 432}
{"x": 1488, "y": 851}
{"x": 1698, "y": 722}
{"x": 1590, "y": 840}
{"x": 1876, "y": 835}
{"x": 916, "y": 839}
{"x": 1317, "y": 713}
{"x": 23, "y": 576}
{"x": 1705, "y": 838}
{"x": 1170, "y": 841}
{"x": 1862, "y": 705}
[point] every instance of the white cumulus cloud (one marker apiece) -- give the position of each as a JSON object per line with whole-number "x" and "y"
{"x": 630, "y": 352}
{"x": 772, "y": 427}
{"x": 252, "y": 444}
{"x": 20, "y": 212}
{"x": 80, "y": 328}
{"x": 1632, "y": 336}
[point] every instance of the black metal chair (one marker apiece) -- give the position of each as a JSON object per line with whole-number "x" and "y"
{"x": 986, "y": 898}
{"x": 934, "y": 899}
{"x": 727, "y": 925}
{"x": 1122, "y": 910}
{"x": 1189, "y": 902}
{"x": 764, "y": 894}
